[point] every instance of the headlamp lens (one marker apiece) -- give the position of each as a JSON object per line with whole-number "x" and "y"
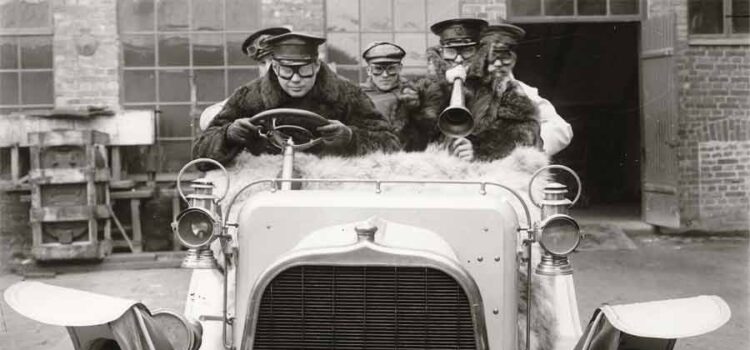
{"x": 195, "y": 227}
{"x": 560, "y": 235}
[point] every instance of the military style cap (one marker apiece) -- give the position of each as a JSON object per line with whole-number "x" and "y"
{"x": 255, "y": 45}
{"x": 502, "y": 36}
{"x": 459, "y": 31}
{"x": 296, "y": 48}
{"x": 383, "y": 52}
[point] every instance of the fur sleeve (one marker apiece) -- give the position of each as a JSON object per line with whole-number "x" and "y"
{"x": 370, "y": 130}
{"x": 212, "y": 142}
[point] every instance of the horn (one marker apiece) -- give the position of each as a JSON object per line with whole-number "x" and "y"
{"x": 456, "y": 120}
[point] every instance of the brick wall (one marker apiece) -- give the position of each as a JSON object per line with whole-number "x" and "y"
{"x": 724, "y": 183}
{"x": 86, "y": 50}
{"x": 714, "y": 107}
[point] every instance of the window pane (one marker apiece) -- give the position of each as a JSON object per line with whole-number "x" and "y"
{"x": 528, "y": 7}
{"x": 207, "y": 14}
{"x": 438, "y": 10}
{"x": 558, "y": 7}
{"x": 239, "y": 77}
{"x": 34, "y": 14}
{"x": 376, "y": 16}
{"x": 36, "y": 52}
{"x": 235, "y": 56}
{"x": 174, "y": 155}
{"x": 9, "y": 14}
{"x": 9, "y": 88}
{"x": 706, "y": 16}
{"x": 139, "y": 86}
{"x": 208, "y": 50}
{"x": 36, "y": 88}
{"x": 592, "y": 7}
{"x": 413, "y": 73}
{"x": 173, "y": 15}
{"x": 210, "y": 85}
{"x": 174, "y": 85}
{"x": 410, "y": 15}
{"x": 623, "y": 7}
{"x": 343, "y": 48}
{"x": 174, "y": 121}
{"x": 8, "y": 53}
{"x": 342, "y": 15}
{"x": 242, "y": 14}
{"x": 138, "y": 50}
{"x": 740, "y": 16}
{"x": 415, "y": 46}
{"x": 136, "y": 15}
{"x": 174, "y": 50}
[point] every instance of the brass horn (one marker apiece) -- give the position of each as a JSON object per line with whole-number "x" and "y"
{"x": 456, "y": 120}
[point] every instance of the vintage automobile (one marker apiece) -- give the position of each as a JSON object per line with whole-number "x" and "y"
{"x": 368, "y": 257}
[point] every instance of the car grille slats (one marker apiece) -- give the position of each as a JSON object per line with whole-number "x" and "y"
{"x": 364, "y": 307}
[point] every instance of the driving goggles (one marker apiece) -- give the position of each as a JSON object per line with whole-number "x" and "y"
{"x": 391, "y": 69}
{"x": 287, "y": 72}
{"x": 450, "y": 53}
{"x": 504, "y": 56}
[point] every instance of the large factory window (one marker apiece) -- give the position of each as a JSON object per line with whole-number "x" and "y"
{"x": 352, "y": 25}
{"x": 25, "y": 55}
{"x": 719, "y": 19}
{"x": 180, "y": 56}
{"x": 574, "y": 10}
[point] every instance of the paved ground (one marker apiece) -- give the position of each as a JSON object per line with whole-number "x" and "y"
{"x": 635, "y": 267}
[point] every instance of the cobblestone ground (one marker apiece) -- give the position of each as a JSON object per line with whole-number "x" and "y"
{"x": 648, "y": 268}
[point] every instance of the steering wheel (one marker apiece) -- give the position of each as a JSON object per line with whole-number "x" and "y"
{"x": 280, "y": 125}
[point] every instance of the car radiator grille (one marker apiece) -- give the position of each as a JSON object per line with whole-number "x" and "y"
{"x": 336, "y": 307}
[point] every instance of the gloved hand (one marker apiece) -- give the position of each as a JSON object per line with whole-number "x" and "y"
{"x": 409, "y": 98}
{"x": 462, "y": 148}
{"x": 457, "y": 72}
{"x": 241, "y": 131}
{"x": 335, "y": 133}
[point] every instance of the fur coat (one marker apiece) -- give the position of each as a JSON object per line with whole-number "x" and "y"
{"x": 503, "y": 120}
{"x": 331, "y": 97}
{"x": 414, "y": 124}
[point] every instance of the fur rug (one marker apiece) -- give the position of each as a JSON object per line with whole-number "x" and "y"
{"x": 435, "y": 163}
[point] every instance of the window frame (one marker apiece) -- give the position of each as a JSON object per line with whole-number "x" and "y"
{"x": 17, "y": 34}
{"x": 192, "y": 103}
{"x": 726, "y": 37}
{"x": 575, "y": 17}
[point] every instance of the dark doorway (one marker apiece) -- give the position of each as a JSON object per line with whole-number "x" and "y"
{"x": 589, "y": 71}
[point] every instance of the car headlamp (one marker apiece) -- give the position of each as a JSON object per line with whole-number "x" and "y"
{"x": 559, "y": 235}
{"x": 196, "y": 227}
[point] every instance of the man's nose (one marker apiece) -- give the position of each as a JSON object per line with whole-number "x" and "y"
{"x": 459, "y": 59}
{"x": 295, "y": 77}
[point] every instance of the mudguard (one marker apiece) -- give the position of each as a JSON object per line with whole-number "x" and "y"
{"x": 94, "y": 321}
{"x": 653, "y": 325}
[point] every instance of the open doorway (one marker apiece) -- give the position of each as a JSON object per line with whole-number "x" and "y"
{"x": 589, "y": 71}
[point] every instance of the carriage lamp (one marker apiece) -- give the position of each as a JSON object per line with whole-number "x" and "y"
{"x": 198, "y": 225}
{"x": 558, "y": 234}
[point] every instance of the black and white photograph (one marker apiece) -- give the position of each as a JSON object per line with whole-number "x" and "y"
{"x": 374, "y": 174}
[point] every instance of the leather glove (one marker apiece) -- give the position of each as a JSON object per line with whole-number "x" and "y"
{"x": 462, "y": 148}
{"x": 241, "y": 131}
{"x": 409, "y": 98}
{"x": 457, "y": 72}
{"x": 335, "y": 133}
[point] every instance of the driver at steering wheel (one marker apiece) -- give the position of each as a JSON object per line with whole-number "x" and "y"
{"x": 297, "y": 79}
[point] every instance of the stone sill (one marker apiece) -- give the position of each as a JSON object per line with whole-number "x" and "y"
{"x": 707, "y": 41}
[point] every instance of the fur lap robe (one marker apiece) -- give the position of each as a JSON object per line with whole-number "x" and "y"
{"x": 435, "y": 163}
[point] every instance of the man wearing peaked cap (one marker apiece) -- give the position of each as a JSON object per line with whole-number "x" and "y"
{"x": 407, "y": 106}
{"x": 498, "y": 43}
{"x": 255, "y": 48}
{"x": 297, "y": 79}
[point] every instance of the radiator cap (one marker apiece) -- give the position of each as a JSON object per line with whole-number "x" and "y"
{"x": 366, "y": 229}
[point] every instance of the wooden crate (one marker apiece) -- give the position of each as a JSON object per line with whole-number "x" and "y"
{"x": 70, "y": 200}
